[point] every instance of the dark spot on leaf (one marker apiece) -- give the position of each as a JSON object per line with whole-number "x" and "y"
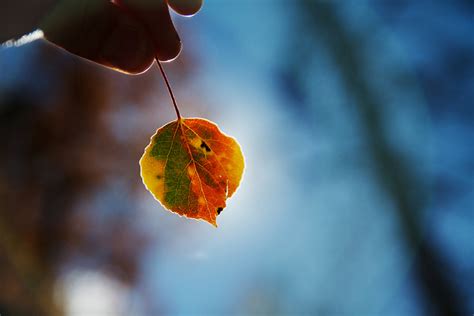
{"x": 205, "y": 147}
{"x": 219, "y": 210}
{"x": 159, "y": 177}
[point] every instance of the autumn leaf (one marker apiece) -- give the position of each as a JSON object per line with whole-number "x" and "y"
{"x": 192, "y": 168}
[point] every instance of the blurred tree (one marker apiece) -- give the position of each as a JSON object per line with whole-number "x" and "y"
{"x": 56, "y": 153}
{"x": 398, "y": 178}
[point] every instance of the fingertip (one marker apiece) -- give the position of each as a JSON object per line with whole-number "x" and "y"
{"x": 186, "y": 7}
{"x": 155, "y": 17}
{"x": 142, "y": 68}
{"x": 169, "y": 52}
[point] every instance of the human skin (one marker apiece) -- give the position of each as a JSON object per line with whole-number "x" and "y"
{"x": 126, "y": 35}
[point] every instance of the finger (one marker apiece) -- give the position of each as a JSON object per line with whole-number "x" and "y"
{"x": 101, "y": 32}
{"x": 155, "y": 15}
{"x": 185, "y": 7}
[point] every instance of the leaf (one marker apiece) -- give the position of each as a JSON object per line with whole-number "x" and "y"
{"x": 192, "y": 168}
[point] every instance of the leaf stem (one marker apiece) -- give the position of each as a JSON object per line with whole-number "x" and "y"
{"x": 169, "y": 88}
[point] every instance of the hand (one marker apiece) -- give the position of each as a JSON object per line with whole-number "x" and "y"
{"x": 122, "y": 34}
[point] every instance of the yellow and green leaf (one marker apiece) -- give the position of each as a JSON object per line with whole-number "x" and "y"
{"x": 192, "y": 168}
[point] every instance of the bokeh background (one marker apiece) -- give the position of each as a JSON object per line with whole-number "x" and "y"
{"x": 357, "y": 122}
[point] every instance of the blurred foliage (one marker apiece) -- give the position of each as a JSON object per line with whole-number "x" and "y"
{"x": 393, "y": 171}
{"x": 56, "y": 153}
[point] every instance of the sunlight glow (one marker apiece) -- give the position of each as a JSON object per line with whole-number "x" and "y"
{"x": 25, "y": 39}
{"x": 92, "y": 293}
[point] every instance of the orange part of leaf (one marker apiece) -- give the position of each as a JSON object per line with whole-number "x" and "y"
{"x": 192, "y": 168}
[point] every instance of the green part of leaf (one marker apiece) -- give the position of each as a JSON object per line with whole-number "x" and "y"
{"x": 169, "y": 148}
